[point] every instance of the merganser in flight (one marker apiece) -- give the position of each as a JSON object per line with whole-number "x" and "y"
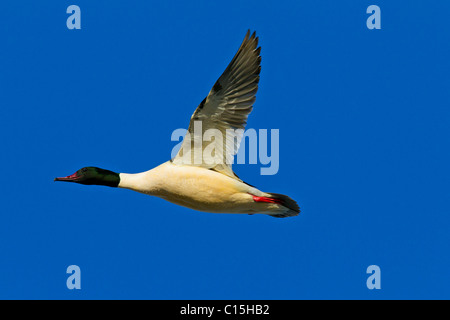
{"x": 210, "y": 184}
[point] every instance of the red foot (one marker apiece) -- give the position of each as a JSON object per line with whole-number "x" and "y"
{"x": 266, "y": 199}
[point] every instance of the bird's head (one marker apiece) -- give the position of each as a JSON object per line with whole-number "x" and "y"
{"x": 93, "y": 176}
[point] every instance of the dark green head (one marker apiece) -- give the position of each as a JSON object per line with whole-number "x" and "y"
{"x": 93, "y": 175}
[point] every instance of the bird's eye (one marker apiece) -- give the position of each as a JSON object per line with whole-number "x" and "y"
{"x": 83, "y": 170}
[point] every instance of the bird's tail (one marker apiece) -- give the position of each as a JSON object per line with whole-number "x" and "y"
{"x": 288, "y": 206}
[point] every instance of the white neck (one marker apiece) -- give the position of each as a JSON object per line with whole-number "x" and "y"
{"x": 140, "y": 182}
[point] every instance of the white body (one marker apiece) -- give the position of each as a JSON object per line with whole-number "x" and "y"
{"x": 199, "y": 189}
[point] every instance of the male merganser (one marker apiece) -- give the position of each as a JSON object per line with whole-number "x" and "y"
{"x": 209, "y": 184}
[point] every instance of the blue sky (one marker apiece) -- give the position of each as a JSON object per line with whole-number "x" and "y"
{"x": 364, "y": 134}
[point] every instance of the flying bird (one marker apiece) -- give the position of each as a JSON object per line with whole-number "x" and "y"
{"x": 209, "y": 184}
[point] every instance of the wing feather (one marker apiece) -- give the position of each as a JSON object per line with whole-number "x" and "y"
{"x": 225, "y": 109}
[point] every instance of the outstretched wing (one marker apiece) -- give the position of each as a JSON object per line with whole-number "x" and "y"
{"x": 217, "y": 125}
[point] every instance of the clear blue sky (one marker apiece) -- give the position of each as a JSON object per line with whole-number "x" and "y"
{"x": 364, "y": 120}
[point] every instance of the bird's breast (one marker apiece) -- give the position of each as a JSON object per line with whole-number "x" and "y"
{"x": 194, "y": 187}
